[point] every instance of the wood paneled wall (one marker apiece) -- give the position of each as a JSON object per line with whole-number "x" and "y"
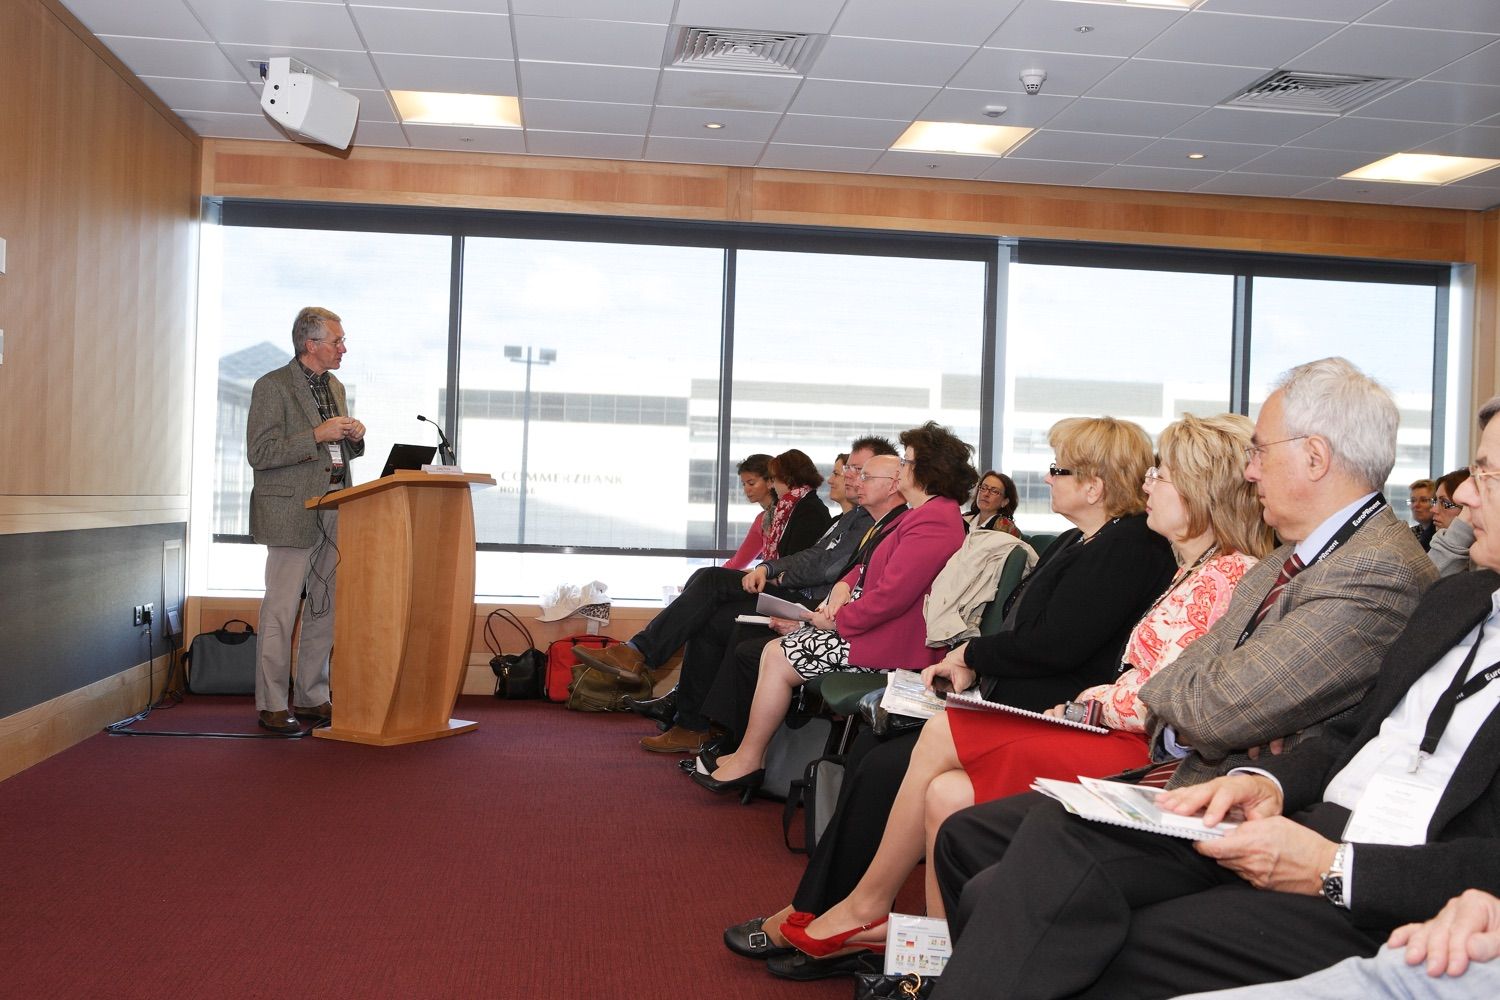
{"x": 98, "y": 214}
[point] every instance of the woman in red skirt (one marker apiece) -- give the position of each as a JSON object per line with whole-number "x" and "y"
{"x": 1198, "y": 500}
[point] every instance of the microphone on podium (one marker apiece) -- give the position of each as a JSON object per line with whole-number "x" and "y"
{"x": 445, "y": 450}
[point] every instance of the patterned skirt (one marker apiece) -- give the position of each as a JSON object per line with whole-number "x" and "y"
{"x": 812, "y": 651}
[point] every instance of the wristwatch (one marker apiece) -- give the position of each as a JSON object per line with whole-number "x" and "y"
{"x": 1332, "y": 888}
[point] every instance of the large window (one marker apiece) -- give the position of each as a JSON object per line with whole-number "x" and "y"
{"x": 611, "y": 373}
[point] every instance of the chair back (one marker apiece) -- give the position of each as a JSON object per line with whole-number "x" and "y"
{"x": 1010, "y": 578}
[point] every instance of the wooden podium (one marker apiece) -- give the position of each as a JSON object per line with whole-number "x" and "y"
{"x": 404, "y": 617}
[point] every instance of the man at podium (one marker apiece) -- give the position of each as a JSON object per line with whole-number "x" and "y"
{"x": 300, "y": 439}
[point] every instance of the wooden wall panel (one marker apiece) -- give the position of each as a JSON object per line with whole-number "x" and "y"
{"x": 99, "y": 218}
{"x": 281, "y": 171}
{"x": 1487, "y": 306}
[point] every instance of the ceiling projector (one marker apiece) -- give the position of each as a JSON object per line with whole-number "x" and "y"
{"x": 308, "y": 104}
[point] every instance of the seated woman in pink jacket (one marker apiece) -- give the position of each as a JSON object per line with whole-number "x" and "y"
{"x": 872, "y": 620}
{"x": 755, "y": 483}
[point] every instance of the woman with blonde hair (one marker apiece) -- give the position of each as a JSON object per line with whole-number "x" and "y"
{"x": 1198, "y": 500}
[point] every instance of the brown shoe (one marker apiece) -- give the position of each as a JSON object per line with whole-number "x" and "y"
{"x": 280, "y": 722}
{"x": 678, "y": 740}
{"x": 318, "y": 713}
{"x": 622, "y": 661}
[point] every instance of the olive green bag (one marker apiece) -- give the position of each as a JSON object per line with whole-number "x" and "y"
{"x": 595, "y": 691}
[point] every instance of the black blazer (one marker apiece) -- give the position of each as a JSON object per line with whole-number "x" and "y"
{"x": 1077, "y": 609}
{"x": 810, "y": 518}
{"x": 1396, "y": 885}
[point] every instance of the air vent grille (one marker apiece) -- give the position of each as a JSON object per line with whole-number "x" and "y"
{"x": 1312, "y": 93}
{"x": 780, "y": 53}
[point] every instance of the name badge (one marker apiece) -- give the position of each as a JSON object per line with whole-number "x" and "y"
{"x": 1393, "y": 810}
{"x": 336, "y": 453}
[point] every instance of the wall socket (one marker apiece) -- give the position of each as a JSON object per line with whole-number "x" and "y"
{"x": 148, "y": 614}
{"x": 137, "y": 615}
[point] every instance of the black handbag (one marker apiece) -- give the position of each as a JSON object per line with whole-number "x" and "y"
{"x": 517, "y": 675}
{"x": 222, "y": 661}
{"x": 879, "y": 986}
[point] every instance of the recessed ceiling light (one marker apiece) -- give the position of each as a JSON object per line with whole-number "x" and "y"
{"x": 713, "y": 124}
{"x": 1422, "y": 168}
{"x": 1195, "y": 156}
{"x": 957, "y": 137}
{"x": 1167, "y": 4}
{"x": 421, "y": 107}
{"x": 1084, "y": 29}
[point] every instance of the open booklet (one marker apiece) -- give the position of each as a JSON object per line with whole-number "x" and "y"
{"x": 973, "y": 701}
{"x": 1122, "y": 804}
{"x": 905, "y": 694}
{"x": 776, "y": 607}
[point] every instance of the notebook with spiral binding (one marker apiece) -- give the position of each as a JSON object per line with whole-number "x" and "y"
{"x": 972, "y": 701}
{"x": 1133, "y": 806}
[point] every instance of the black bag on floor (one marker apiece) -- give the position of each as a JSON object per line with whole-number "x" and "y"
{"x": 517, "y": 675}
{"x": 802, "y": 738}
{"x": 818, "y": 793}
{"x": 222, "y": 661}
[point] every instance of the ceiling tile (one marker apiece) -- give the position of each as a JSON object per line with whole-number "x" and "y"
{"x": 1333, "y": 10}
{"x": 686, "y": 88}
{"x": 447, "y": 76}
{"x": 165, "y": 57}
{"x": 1477, "y": 140}
{"x": 1091, "y": 114}
{"x": 1216, "y": 155}
{"x": 605, "y": 43}
{"x": 466, "y": 140}
{"x": 820, "y": 130}
{"x": 1408, "y": 53}
{"x": 1371, "y": 135}
{"x": 350, "y": 69}
{"x": 233, "y": 96}
{"x": 389, "y": 134}
{"x": 1460, "y": 103}
{"x": 1466, "y": 15}
{"x": 474, "y": 6}
{"x": 435, "y": 33}
{"x": 585, "y": 116}
{"x": 1051, "y": 27}
{"x": 1246, "y": 125}
{"x": 595, "y": 145}
{"x": 968, "y": 106}
{"x": 375, "y": 106}
{"x": 689, "y": 123}
{"x": 883, "y": 61}
{"x": 143, "y": 18}
{"x": 789, "y": 157}
{"x": 946, "y": 165}
{"x": 1148, "y": 179}
{"x": 1369, "y": 192}
{"x": 1309, "y": 162}
{"x": 1474, "y": 199}
{"x": 1236, "y": 39}
{"x": 728, "y": 152}
{"x": 646, "y": 11}
{"x": 1262, "y": 185}
{"x": 1080, "y": 146}
{"x": 1000, "y": 69}
{"x": 962, "y": 21}
{"x": 765, "y": 15}
{"x": 275, "y": 22}
{"x": 1477, "y": 67}
{"x": 580, "y": 82}
{"x": 861, "y": 100}
{"x": 1016, "y": 171}
{"x": 1174, "y": 82}
{"x": 218, "y": 125}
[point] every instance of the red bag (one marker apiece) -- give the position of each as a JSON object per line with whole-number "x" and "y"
{"x": 561, "y": 659}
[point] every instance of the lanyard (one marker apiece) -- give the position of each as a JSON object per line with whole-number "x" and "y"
{"x": 873, "y": 538}
{"x": 1458, "y": 689}
{"x": 1346, "y": 531}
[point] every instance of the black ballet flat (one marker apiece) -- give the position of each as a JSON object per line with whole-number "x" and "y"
{"x": 751, "y": 940}
{"x": 747, "y": 785}
{"x": 805, "y": 968}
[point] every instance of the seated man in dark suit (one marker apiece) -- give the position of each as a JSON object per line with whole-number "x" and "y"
{"x": 1376, "y": 822}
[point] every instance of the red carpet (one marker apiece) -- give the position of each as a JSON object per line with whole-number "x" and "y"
{"x": 543, "y": 856}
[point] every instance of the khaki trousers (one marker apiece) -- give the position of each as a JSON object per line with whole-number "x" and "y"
{"x": 288, "y": 570}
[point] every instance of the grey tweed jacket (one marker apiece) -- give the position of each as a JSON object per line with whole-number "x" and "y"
{"x": 1313, "y": 657}
{"x": 290, "y": 467}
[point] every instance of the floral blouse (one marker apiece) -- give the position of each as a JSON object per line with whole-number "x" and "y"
{"x": 1192, "y": 604}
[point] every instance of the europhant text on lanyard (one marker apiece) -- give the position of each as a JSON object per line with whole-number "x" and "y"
{"x": 1458, "y": 689}
{"x": 1346, "y": 531}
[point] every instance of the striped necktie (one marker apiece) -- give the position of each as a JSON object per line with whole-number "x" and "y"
{"x": 1289, "y": 569}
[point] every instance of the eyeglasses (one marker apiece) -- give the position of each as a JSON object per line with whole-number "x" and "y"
{"x": 1482, "y": 478}
{"x": 1413, "y": 501}
{"x": 1154, "y": 476}
{"x": 1256, "y": 450}
{"x": 989, "y": 491}
{"x": 1054, "y": 471}
{"x": 853, "y": 471}
{"x": 902, "y": 463}
{"x": 865, "y": 477}
{"x": 336, "y": 343}
{"x": 1450, "y": 505}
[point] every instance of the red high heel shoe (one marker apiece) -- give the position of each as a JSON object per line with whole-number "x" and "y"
{"x": 796, "y": 933}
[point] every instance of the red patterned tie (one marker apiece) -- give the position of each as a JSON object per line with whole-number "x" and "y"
{"x": 1289, "y": 569}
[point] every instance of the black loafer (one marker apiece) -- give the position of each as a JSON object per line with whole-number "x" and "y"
{"x": 751, "y": 940}
{"x": 805, "y": 968}
{"x": 662, "y": 711}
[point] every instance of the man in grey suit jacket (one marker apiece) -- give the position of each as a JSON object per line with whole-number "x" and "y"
{"x": 1299, "y": 645}
{"x": 300, "y": 439}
